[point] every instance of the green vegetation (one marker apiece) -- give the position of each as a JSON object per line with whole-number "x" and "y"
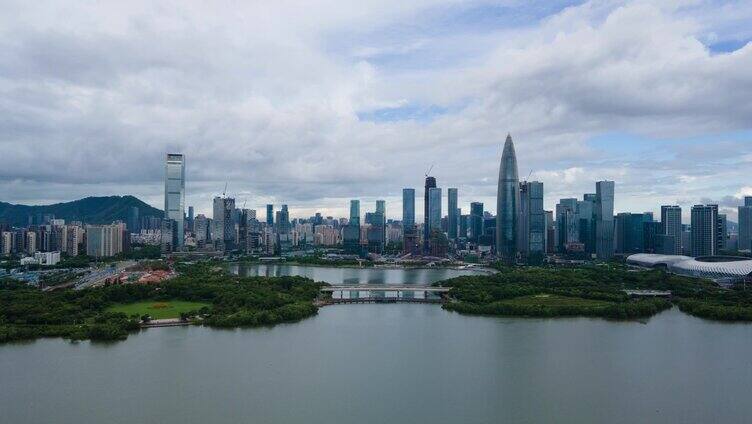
{"x": 92, "y": 210}
{"x": 27, "y": 313}
{"x": 583, "y": 291}
{"x": 159, "y": 309}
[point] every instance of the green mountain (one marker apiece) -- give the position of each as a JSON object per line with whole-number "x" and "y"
{"x": 91, "y": 210}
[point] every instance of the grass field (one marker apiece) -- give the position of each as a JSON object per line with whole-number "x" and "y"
{"x": 156, "y": 309}
{"x": 554, "y": 300}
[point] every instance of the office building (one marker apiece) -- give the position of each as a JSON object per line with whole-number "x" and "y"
{"x": 722, "y": 232}
{"x": 434, "y": 208}
{"x": 671, "y": 226}
{"x": 476, "y": 221}
{"x": 704, "y": 230}
{"x": 269, "y": 215}
{"x": 408, "y": 211}
{"x": 507, "y": 203}
{"x": 134, "y": 223}
{"x": 351, "y": 232}
{"x": 453, "y": 214}
{"x": 567, "y": 221}
{"x": 201, "y": 230}
{"x": 430, "y": 183}
{"x": 604, "y": 219}
{"x": 190, "y": 218}
{"x": 532, "y": 220}
{"x": 630, "y": 232}
{"x": 223, "y": 232}
{"x": 175, "y": 194}
{"x": 745, "y": 225}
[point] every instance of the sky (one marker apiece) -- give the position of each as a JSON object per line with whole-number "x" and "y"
{"x": 313, "y": 103}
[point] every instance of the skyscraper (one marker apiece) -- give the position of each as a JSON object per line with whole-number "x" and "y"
{"x": 745, "y": 224}
{"x": 190, "y": 217}
{"x": 434, "y": 208}
{"x": 133, "y": 220}
{"x": 408, "y": 211}
{"x": 453, "y": 212}
{"x": 175, "y": 193}
{"x": 567, "y": 223}
{"x": 355, "y": 212}
{"x": 269, "y": 215}
{"x": 532, "y": 222}
{"x": 283, "y": 223}
{"x": 671, "y": 227}
{"x": 604, "y": 219}
{"x": 721, "y": 232}
{"x": 476, "y": 221}
{"x": 630, "y": 233}
{"x": 704, "y": 230}
{"x": 224, "y": 226}
{"x": 429, "y": 184}
{"x": 507, "y": 203}
{"x": 351, "y": 231}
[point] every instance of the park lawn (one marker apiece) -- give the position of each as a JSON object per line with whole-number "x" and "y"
{"x": 157, "y": 309}
{"x": 555, "y": 300}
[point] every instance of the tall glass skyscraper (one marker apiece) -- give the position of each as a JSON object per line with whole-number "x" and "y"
{"x": 453, "y": 219}
{"x": 476, "y": 221}
{"x": 434, "y": 208}
{"x": 175, "y": 194}
{"x": 270, "y": 215}
{"x": 704, "y": 230}
{"x": 745, "y": 224}
{"x": 355, "y": 212}
{"x": 430, "y": 183}
{"x": 408, "y": 210}
{"x": 671, "y": 227}
{"x": 604, "y": 219}
{"x": 532, "y": 223}
{"x": 507, "y": 203}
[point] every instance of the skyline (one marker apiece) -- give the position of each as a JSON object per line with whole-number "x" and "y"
{"x": 351, "y": 109}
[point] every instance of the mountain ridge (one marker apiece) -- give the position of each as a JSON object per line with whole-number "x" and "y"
{"x": 90, "y": 210}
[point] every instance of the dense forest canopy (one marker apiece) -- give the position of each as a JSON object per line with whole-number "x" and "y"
{"x": 513, "y": 290}
{"x": 26, "y": 312}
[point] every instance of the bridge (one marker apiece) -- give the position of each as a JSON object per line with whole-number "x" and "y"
{"x": 383, "y": 288}
{"x": 371, "y": 289}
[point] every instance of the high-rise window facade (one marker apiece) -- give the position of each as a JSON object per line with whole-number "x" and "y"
{"x": 604, "y": 219}
{"x": 453, "y": 217}
{"x": 175, "y": 193}
{"x": 704, "y": 230}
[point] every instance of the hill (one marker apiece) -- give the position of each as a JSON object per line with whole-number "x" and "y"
{"x": 90, "y": 210}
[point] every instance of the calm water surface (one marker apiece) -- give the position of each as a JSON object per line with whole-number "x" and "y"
{"x": 418, "y": 276}
{"x": 391, "y": 363}
{"x": 395, "y": 363}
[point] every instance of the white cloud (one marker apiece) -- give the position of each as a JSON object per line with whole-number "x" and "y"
{"x": 257, "y": 95}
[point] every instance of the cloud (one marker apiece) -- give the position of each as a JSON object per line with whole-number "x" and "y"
{"x": 314, "y": 103}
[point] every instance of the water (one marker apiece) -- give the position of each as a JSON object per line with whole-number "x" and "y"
{"x": 396, "y": 363}
{"x": 391, "y": 363}
{"x": 354, "y": 276}
{"x": 386, "y": 276}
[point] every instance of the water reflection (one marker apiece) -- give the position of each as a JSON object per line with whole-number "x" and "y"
{"x": 333, "y": 275}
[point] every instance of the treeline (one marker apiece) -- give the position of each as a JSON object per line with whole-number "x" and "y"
{"x": 26, "y": 312}
{"x": 622, "y": 310}
{"x": 490, "y": 294}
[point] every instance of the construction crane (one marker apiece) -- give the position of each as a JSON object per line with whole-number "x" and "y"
{"x": 429, "y": 170}
{"x": 225, "y": 190}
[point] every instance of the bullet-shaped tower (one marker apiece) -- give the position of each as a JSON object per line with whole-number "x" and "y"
{"x": 507, "y": 203}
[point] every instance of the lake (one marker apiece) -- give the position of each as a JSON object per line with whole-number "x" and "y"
{"x": 391, "y": 363}
{"x": 352, "y": 275}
